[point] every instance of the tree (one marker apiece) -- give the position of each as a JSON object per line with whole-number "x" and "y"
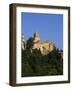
{"x": 29, "y": 43}
{"x": 36, "y": 64}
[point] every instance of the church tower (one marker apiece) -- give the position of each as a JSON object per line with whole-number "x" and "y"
{"x": 36, "y": 36}
{"x": 36, "y": 41}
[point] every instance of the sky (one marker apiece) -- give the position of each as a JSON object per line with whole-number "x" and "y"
{"x": 49, "y": 26}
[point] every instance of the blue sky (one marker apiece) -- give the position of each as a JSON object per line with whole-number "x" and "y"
{"x": 50, "y": 26}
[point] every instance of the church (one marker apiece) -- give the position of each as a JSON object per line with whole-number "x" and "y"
{"x": 44, "y": 46}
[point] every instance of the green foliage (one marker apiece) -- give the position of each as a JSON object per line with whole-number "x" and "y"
{"x": 36, "y": 64}
{"x": 29, "y": 43}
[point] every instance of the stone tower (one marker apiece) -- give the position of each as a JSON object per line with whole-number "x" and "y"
{"x": 36, "y": 36}
{"x": 36, "y": 41}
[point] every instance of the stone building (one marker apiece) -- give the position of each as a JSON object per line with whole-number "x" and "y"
{"x": 44, "y": 46}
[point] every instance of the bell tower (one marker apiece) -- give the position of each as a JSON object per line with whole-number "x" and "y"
{"x": 36, "y": 41}
{"x": 36, "y": 36}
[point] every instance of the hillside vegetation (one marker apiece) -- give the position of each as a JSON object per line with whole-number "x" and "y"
{"x": 36, "y": 64}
